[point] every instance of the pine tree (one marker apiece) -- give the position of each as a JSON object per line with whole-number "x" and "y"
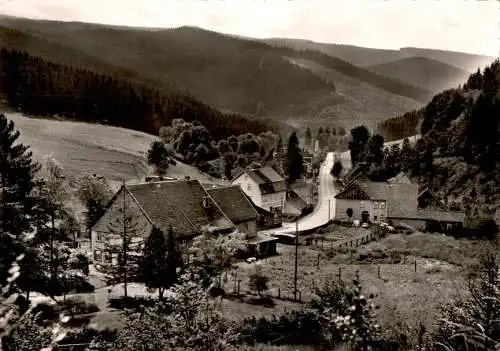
{"x": 295, "y": 166}
{"x": 17, "y": 171}
{"x": 123, "y": 243}
{"x": 161, "y": 258}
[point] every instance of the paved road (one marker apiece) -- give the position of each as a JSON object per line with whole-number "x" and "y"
{"x": 324, "y": 210}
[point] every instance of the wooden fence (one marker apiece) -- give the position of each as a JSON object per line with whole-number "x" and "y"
{"x": 347, "y": 243}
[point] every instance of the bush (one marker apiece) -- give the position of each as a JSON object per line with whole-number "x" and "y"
{"x": 292, "y": 328}
{"x": 134, "y": 303}
{"x": 258, "y": 282}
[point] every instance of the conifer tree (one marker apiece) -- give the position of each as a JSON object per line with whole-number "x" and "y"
{"x": 160, "y": 261}
{"x": 124, "y": 244}
{"x": 17, "y": 171}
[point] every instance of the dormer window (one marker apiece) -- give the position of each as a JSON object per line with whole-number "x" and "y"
{"x": 249, "y": 187}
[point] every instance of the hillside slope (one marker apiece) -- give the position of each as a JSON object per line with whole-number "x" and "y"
{"x": 231, "y": 74}
{"x": 357, "y": 99}
{"x": 365, "y": 57}
{"x": 423, "y": 72}
{"x": 82, "y": 148}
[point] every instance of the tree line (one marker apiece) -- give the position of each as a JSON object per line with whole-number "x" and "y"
{"x": 458, "y": 153}
{"x": 44, "y": 88}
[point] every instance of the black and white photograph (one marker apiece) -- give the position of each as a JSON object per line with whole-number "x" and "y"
{"x": 249, "y": 175}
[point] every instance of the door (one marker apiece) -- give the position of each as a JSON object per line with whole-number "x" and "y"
{"x": 365, "y": 216}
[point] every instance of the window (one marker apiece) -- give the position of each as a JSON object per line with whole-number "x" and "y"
{"x": 97, "y": 255}
{"x": 249, "y": 187}
{"x": 375, "y": 204}
{"x": 374, "y": 218}
{"x": 107, "y": 256}
{"x": 100, "y": 238}
{"x": 362, "y": 204}
{"x": 382, "y": 205}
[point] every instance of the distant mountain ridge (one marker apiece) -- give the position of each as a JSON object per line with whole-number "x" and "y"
{"x": 362, "y": 56}
{"x": 426, "y": 73}
{"x": 245, "y": 76}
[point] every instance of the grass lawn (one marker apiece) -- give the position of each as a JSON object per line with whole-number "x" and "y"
{"x": 403, "y": 294}
{"x": 85, "y": 148}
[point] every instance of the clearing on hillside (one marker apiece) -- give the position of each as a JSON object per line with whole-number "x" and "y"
{"x": 83, "y": 148}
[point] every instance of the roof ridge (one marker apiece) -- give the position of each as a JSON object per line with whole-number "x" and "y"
{"x": 220, "y": 209}
{"x": 138, "y": 204}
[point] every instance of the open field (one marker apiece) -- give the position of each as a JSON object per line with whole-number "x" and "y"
{"x": 82, "y": 148}
{"x": 403, "y": 294}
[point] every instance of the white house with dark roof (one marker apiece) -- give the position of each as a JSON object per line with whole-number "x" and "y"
{"x": 264, "y": 186}
{"x": 376, "y": 201}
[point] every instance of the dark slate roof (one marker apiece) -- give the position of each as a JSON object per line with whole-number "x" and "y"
{"x": 302, "y": 189}
{"x": 179, "y": 204}
{"x": 260, "y": 238}
{"x": 233, "y": 203}
{"x": 440, "y": 216}
{"x": 353, "y": 192}
{"x": 375, "y": 190}
{"x": 402, "y": 199}
{"x": 294, "y": 205}
{"x": 268, "y": 179}
{"x": 443, "y": 216}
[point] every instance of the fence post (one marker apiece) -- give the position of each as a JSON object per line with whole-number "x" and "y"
{"x": 340, "y": 273}
{"x": 317, "y": 264}
{"x": 404, "y": 258}
{"x": 378, "y": 271}
{"x": 235, "y": 278}
{"x": 415, "y": 265}
{"x": 239, "y": 281}
{"x": 300, "y": 296}
{"x": 279, "y": 292}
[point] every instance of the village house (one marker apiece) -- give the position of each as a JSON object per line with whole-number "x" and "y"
{"x": 246, "y": 218}
{"x": 375, "y": 201}
{"x": 265, "y": 187}
{"x": 182, "y": 205}
{"x": 236, "y": 207}
{"x": 398, "y": 201}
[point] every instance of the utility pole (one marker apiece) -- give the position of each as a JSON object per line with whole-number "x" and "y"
{"x": 329, "y": 213}
{"x": 296, "y": 257}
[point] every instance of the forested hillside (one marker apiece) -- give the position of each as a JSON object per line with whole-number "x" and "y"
{"x": 459, "y": 153}
{"x": 43, "y": 88}
{"x": 423, "y": 72}
{"x": 232, "y": 74}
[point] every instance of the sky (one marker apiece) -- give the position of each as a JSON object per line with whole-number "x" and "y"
{"x": 459, "y": 25}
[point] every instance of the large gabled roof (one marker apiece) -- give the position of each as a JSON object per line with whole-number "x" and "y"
{"x": 180, "y": 205}
{"x": 353, "y": 191}
{"x": 233, "y": 203}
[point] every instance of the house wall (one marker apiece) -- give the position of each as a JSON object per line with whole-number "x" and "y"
{"x": 275, "y": 200}
{"x": 249, "y": 187}
{"x": 376, "y": 209}
{"x": 249, "y": 227}
{"x": 110, "y": 225}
